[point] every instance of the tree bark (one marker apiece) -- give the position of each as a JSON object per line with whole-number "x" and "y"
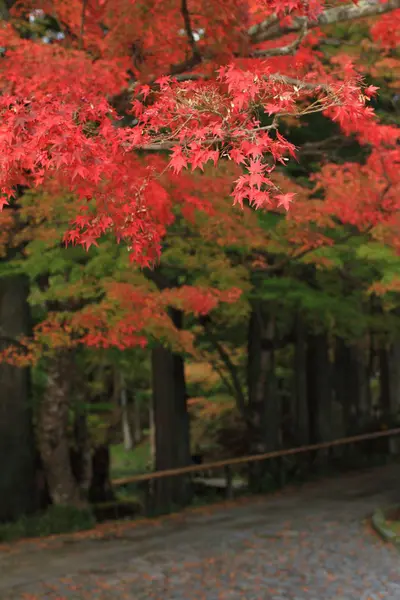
{"x": 301, "y": 419}
{"x": 171, "y": 420}
{"x": 348, "y": 385}
{"x": 319, "y": 386}
{"x": 384, "y": 383}
{"x": 264, "y": 409}
{"x": 137, "y": 422}
{"x": 100, "y": 487}
{"x": 82, "y": 452}
{"x": 394, "y": 368}
{"x": 17, "y": 449}
{"x": 152, "y": 436}
{"x": 389, "y": 379}
{"x": 53, "y": 433}
{"x": 126, "y": 426}
{"x": 263, "y": 405}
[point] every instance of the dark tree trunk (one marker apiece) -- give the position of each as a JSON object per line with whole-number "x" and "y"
{"x": 319, "y": 387}
{"x": 100, "y": 488}
{"x": 394, "y": 368}
{"x": 300, "y": 412}
{"x": 389, "y": 363}
{"x": 18, "y": 490}
{"x": 53, "y": 433}
{"x": 365, "y": 396}
{"x": 385, "y": 400}
{"x": 264, "y": 408}
{"x": 81, "y": 456}
{"x": 348, "y": 384}
{"x": 137, "y": 422}
{"x": 171, "y": 420}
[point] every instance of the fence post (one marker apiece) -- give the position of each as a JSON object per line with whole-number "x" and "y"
{"x": 229, "y": 482}
{"x": 148, "y": 498}
{"x": 281, "y": 472}
{"x": 331, "y": 458}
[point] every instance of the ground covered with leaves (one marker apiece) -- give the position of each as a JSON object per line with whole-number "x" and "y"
{"x": 310, "y": 544}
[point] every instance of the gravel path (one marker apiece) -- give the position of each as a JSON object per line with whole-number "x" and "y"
{"x": 310, "y": 544}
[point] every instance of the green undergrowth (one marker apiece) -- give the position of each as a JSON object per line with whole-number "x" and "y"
{"x": 129, "y": 463}
{"x": 56, "y": 520}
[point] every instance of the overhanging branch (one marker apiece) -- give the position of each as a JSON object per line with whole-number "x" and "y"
{"x": 271, "y": 28}
{"x": 287, "y": 50}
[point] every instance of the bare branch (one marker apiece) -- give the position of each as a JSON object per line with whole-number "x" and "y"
{"x": 271, "y": 28}
{"x": 284, "y": 50}
{"x": 188, "y": 29}
{"x": 298, "y": 83}
{"x": 321, "y": 146}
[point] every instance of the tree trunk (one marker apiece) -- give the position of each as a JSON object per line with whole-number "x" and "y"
{"x": 263, "y": 404}
{"x": 152, "y": 435}
{"x": 319, "y": 386}
{"x": 264, "y": 409}
{"x": 389, "y": 368}
{"x": 17, "y": 451}
{"x": 126, "y": 426}
{"x": 137, "y": 422}
{"x": 171, "y": 419}
{"x": 300, "y": 412}
{"x": 385, "y": 401}
{"x": 100, "y": 488}
{"x": 53, "y": 433}
{"x": 394, "y": 365}
{"x": 348, "y": 385}
{"x": 389, "y": 362}
{"x": 365, "y": 396}
{"x": 394, "y": 368}
{"x": 82, "y": 454}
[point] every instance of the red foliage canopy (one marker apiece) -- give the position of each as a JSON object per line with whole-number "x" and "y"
{"x": 197, "y": 75}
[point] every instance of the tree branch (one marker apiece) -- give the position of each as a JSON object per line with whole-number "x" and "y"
{"x": 305, "y": 85}
{"x": 12, "y": 342}
{"x": 188, "y": 29}
{"x": 231, "y": 368}
{"x": 271, "y": 28}
{"x": 284, "y": 50}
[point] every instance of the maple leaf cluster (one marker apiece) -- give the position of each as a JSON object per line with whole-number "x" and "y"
{"x": 113, "y": 322}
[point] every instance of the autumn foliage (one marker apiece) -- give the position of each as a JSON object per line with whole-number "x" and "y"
{"x": 133, "y": 96}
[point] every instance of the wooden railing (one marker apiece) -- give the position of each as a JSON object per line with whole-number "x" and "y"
{"x": 229, "y": 463}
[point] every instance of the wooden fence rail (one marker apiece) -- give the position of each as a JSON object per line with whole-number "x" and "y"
{"x": 227, "y": 464}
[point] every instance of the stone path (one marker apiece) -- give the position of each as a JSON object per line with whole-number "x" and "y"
{"x": 311, "y": 544}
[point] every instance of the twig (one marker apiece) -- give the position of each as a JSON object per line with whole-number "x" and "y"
{"x": 84, "y": 4}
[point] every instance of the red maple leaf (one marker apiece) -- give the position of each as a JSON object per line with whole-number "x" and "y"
{"x": 178, "y": 161}
{"x": 285, "y": 199}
